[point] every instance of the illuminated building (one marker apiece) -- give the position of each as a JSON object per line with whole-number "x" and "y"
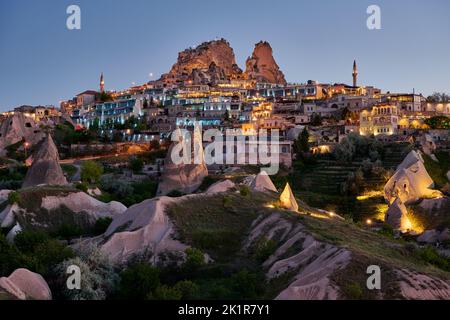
{"x": 380, "y": 120}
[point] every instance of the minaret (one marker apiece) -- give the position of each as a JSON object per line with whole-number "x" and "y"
{"x": 102, "y": 83}
{"x": 355, "y": 74}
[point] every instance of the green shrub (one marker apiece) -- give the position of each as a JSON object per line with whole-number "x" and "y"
{"x": 101, "y": 225}
{"x": 136, "y": 164}
{"x": 10, "y": 257}
{"x": 194, "y": 259}
{"x": 175, "y": 194}
{"x": 41, "y": 253}
{"x": 69, "y": 169}
{"x": 138, "y": 282}
{"x": 353, "y": 291}
{"x": 265, "y": 249}
{"x": 165, "y": 292}
{"x": 248, "y": 285}
{"x": 226, "y": 201}
{"x": 188, "y": 289}
{"x": 430, "y": 255}
{"x": 244, "y": 191}
{"x": 91, "y": 172}
{"x": 68, "y": 231}
{"x": 13, "y": 197}
{"x": 82, "y": 186}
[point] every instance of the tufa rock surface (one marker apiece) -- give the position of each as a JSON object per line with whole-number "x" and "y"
{"x": 17, "y": 127}
{"x": 210, "y": 63}
{"x": 23, "y": 284}
{"x": 45, "y": 168}
{"x": 261, "y": 66}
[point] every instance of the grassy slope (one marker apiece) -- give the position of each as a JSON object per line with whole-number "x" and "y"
{"x": 55, "y": 221}
{"x": 219, "y": 226}
{"x": 438, "y": 170}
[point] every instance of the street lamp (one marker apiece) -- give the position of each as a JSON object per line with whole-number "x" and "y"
{"x": 26, "y": 145}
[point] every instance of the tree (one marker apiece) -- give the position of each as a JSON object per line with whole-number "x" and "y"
{"x": 145, "y": 103}
{"x": 138, "y": 282}
{"x": 439, "y": 97}
{"x": 136, "y": 164}
{"x": 41, "y": 253}
{"x": 91, "y": 172}
{"x": 155, "y": 145}
{"x": 316, "y": 120}
{"x": 98, "y": 278}
{"x": 105, "y": 97}
{"x": 439, "y": 122}
{"x": 226, "y": 116}
{"x": 301, "y": 144}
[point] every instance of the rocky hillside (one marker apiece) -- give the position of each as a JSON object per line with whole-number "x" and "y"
{"x": 210, "y": 62}
{"x": 214, "y": 62}
{"x": 261, "y": 66}
{"x": 306, "y": 255}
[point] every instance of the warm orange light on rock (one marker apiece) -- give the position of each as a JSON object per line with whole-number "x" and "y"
{"x": 287, "y": 199}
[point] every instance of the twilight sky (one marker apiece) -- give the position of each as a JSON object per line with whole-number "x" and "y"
{"x": 42, "y": 62}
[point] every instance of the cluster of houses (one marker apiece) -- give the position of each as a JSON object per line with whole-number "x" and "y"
{"x": 330, "y": 111}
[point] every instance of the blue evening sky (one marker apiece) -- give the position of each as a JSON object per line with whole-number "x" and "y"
{"x": 42, "y": 62}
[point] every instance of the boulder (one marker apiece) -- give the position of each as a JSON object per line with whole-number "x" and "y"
{"x": 7, "y": 218}
{"x": 4, "y": 195}
{"x": 24, "y": 284}
{"x": 45, "y": 169}
{"x": 13, "y": 232}
{"x": 262, "y": 183}
{"x": 444, "y": 235}
{"x": 429, "y": 236}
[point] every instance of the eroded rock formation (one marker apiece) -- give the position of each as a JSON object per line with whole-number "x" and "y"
{"x": 45, "y": 168}
{"x": 262, "y": 183}
{"x": 210, "y": 63}
{"x": 23, "y": 284}
{"x": 16, "y": 128}
{"x": 261, "y": 66}
{"x": 410, "y": 182}
{"x": 183, "y": 177}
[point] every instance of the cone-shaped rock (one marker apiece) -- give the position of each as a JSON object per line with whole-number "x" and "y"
{"x": 45, "y": 168}
{"x": 287, "y": 199}
{"x": 184, "y": 177}
{"x": 262, "y": 183}
{"x": 397, "y": 216}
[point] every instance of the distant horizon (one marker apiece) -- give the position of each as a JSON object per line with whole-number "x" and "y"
{"x": 45, "y": 63}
